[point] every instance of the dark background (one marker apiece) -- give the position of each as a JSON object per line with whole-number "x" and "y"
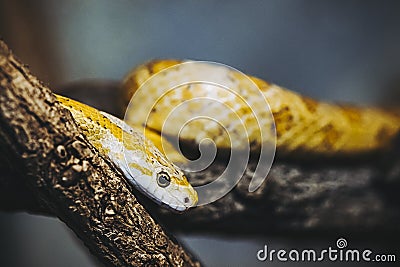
{"x": 333, "y": 50}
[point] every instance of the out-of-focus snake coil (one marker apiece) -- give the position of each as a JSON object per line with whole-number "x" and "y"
{"x": 303, "y": 125}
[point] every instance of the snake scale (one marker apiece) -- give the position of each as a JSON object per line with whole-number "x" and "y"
{"x": 302, "y": 126}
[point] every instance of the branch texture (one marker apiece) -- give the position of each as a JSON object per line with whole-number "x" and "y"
{"x": 66, "y": 177}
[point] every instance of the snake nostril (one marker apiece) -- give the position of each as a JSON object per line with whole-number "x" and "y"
{"x": 186, "y": 200}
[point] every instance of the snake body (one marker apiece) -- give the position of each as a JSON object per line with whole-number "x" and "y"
{"x": 303, "y": 125}
{"x": 141, "y": 162}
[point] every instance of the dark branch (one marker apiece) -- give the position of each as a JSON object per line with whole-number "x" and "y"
{"x": 52, "y": 166}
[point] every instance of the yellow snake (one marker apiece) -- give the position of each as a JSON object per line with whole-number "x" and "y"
{"x": 141, "y": 162}
{"x": 303, "y": 125}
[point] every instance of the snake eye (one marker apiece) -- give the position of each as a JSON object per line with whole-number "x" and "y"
{"x": 163, "y": 179}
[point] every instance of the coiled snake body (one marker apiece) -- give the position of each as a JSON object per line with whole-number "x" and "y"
{"x": 301, "y": 124}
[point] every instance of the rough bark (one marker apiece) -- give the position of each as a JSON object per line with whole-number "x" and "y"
{"x": 304, "y": 198}
{"x": 49, "y": 158}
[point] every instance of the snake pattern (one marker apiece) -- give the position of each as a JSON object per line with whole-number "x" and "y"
{"x": 303, "y": 125}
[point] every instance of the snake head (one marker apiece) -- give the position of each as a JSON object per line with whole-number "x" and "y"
{"x": 171, "y": 186}
{"x": 138, "y": 158}
{"x": 173, "y": 189}
{"x": 163, "y": 181}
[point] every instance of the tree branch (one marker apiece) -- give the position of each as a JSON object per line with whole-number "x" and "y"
{"x": 67, "y": 177}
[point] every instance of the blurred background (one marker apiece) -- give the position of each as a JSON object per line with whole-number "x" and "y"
{"x": 333, "y": 50}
